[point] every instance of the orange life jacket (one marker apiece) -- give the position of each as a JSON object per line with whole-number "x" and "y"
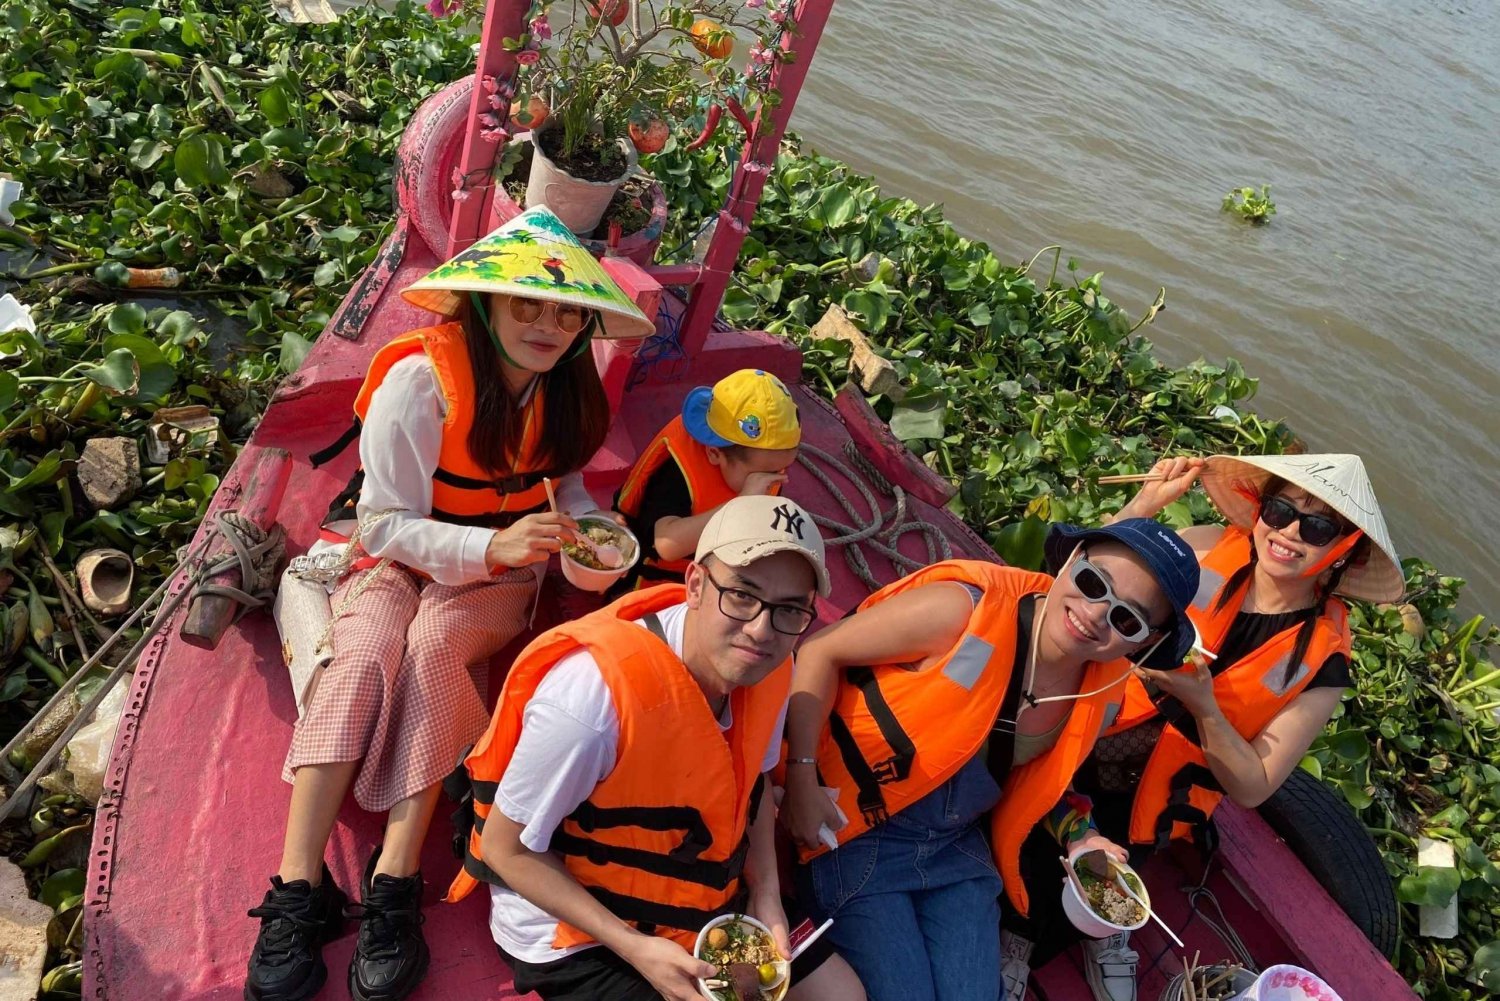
{"x": 896, "y": 734}
{"x": 662, "y": 840}
{"x": 463, "y": 491}
{"x": 1177, "y": 792}
{"x": 705, "y": 482}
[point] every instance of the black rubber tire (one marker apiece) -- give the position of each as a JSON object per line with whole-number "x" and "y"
{"x": 1335, "y": 847}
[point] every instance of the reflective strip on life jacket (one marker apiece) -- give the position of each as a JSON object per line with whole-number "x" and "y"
{"x": 1177, "y": 793}
{"x": 662, "y": 840}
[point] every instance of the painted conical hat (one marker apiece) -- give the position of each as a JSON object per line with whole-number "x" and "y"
{"x": 1235, "y": 483}
{"x": 532, "y": 255}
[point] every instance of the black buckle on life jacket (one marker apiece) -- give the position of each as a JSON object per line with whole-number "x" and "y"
{"x": 890, "y": 770}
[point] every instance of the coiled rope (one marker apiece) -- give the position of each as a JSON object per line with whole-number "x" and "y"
{"x": 258, "y": 554}
{"x": 880, "y": 530}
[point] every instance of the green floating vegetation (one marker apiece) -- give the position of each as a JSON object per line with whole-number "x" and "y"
{"x": 1255, "y": 207}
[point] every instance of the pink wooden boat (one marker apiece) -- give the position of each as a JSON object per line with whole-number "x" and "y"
{"x": 190, "y": 826}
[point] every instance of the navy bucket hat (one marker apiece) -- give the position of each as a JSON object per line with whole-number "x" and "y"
{"x": 1170, "y": 560}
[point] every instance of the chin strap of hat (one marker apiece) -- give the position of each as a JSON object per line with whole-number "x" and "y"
{"x": 1334, "y": 554}
{"x": 584, "y": 336}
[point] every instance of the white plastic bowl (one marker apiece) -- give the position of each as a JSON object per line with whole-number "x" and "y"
{"x": 1083, "y": 916}
{"x": 587, "y": 578}
{"x": 1288, "y": 983}
{"x": 778, "y": 987}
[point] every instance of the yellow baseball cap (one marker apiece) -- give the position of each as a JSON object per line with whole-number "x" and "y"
{"x": 750, "y": 407}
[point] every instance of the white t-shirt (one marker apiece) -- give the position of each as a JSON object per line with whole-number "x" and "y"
{"x": 569, "y": 737}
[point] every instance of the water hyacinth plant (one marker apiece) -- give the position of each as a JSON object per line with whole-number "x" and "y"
{"x": 1254, "y": 207}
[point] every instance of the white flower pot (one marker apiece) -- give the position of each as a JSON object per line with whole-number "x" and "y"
{"x": 579, "y": 204}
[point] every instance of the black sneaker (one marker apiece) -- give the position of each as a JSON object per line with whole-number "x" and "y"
{"x": 296, "y": 919}
{"x": 390, "y": 959}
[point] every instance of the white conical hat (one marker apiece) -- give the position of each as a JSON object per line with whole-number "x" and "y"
{"x": 1235, "y": 484}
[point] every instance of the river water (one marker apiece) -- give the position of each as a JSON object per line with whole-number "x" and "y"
{"x": 1368, "y": 305}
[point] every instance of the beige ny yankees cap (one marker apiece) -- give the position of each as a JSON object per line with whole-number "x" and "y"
{"x": 746, "y": 529}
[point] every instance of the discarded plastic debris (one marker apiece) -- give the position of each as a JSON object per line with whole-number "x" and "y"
{"x": 23, "y": 926}
{"x": 177, "y": 430}
{"x": 15, "y": 316}
{"x": 10, "y": 191}
{"x": 305, "y": 11}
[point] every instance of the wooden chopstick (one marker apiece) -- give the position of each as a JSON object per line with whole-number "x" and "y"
{"x": 1130, "y": 478}
{"x": 551, "y": 497}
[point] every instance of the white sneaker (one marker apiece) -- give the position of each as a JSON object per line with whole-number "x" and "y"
{"x": 1110, "y": 967}
{"x": 1015, "y": 965}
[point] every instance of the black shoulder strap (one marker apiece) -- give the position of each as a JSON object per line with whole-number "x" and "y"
{"x": 1000, "y": 750}
{"x": 343, "y": 441}
{"x": 653, "y": 622}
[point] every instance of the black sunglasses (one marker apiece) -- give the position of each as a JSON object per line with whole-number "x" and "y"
{"x": 1093, "y": 585}
{"x": 1313, "y": 529}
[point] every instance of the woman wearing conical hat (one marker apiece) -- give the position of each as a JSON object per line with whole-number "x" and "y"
{"x": 1305, "y": 532}
{"x": 458, "y": 424}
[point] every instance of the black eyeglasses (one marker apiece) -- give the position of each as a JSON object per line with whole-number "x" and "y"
{"x": 1313, "y": 529}
{"x": 1093, "y": 585}
{"x": 742, "y": 606}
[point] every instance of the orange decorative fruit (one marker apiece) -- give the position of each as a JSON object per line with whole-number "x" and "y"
{"x": 711, "y": 38}
{"x": 616, "y": 11}
{"x": 532, "y": 116}
{"x": 649, "y": 136}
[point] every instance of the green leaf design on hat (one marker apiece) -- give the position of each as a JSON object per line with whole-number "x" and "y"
{"x": 533, "y": 255}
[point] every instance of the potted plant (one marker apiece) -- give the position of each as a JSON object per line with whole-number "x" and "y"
{"x": 616, "y": 81}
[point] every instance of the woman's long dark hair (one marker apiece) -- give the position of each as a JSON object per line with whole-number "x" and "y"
{"x": 1241, "y": 577}
{"x": 575, "y": 411}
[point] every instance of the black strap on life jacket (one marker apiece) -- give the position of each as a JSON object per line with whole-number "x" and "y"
{"x": 684, "y": 862}
{"x": 501, "y": 519}
{"x": 1179, "y": 808}
{"x": 1000, "y": 746}
{"x": 653, "y": 623}
{"x": 868, "y": 778}
{"x": 512, "y": 484}
{"x": 648, "y": 915}
{"x": 336, "y": 448}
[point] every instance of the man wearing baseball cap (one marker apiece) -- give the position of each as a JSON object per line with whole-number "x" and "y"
{"x": 734, "y": 439}
{"x": 620, "y": 803}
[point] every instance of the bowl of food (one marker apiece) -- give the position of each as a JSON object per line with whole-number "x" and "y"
{"x": 749, "y": 968}
{"x": 586, "y": 559}
{"x": 1094, "y": 900}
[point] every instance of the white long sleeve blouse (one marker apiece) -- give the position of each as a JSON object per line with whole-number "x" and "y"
{"x": 398, "y": 448}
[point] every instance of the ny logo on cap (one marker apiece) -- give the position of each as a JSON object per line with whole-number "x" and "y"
{"x": 794, "y": 520}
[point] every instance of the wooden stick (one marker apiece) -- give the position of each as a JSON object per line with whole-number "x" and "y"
{"x": 257, "y": 497}
{"x": 1105, "y": 481}
{"x": 72, "y": 601}
{"x": 551, "y": 497}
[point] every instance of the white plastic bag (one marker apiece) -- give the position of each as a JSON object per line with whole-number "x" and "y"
{"x": 88, "y": 751}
